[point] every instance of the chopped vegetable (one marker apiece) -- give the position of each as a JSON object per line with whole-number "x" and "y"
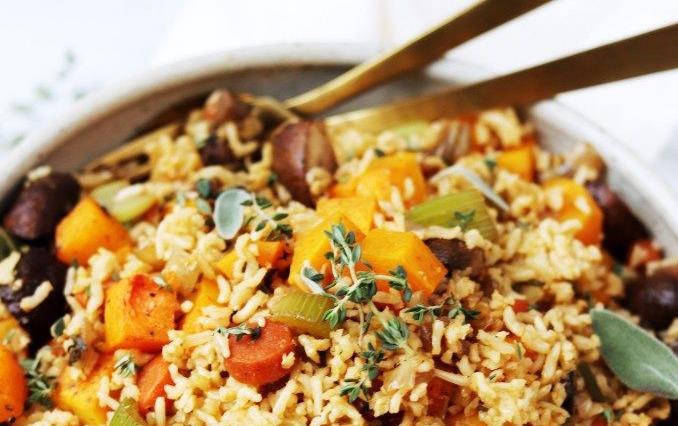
{"x": 269, "y": 253}
{"x": 311, "y": 246}
{"x": 13, "y": 388}
{"x": 395, "y": 169}
{"x": 127, "y": 414}
{"x": 229, "y": 212}
{"x": 258, "y": 361}
{"x": 466, "y": 209}
{"x": 521, "y": 305}
{"x": 79, "y": 396}
{"x": 138, "y": 314}
{"x": 303, "y": 312}
{"x": 386, "y": 250}
{"x": 105, "y": 194}
{"x": 153, "y": 378}
{"x": 86, "y": 229}
{"x": 519, "y": 161}
{"x": 579, "y": 205}
{"x": 439, "y": 393}
{"x": 130, "y": 207}
{"x": 206, "y": 294}
{"x": 7, "y": 245}
{"x": 636, "y": 357}
{"x": 476, "y": 181}
{"x": 359, "y": 209}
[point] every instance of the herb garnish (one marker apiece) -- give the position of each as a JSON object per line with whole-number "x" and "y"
{"x": 204, "y": 188}
{"x": 420, "y": 311}
{"x": 463, "y": 220}
{"x": 491, "y": 163}
{"x": 636, "y": 357}
{"x": 240, "y": 331}
{"x": 359, "y": 288}
{"x": 39, "y": 386}
{"x": 260, "y": 204}
{"x": 125, "y": 365}
{"x": 58, "y": 327}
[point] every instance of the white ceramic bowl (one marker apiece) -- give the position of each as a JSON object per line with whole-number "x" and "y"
{"x": 109, "y": 117}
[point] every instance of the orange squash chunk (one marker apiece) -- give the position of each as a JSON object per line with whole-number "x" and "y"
{"x": 519, "y": 161}
{"x": 205, "y": 295}
{"x": 13, "y": 388}
{"x": 86, "y": 228}
{"x": 79, "y": 396}
{"x": 385, "y": 250}
{"x": 312, "y": 245}
{"x": 579, "y": 205}
{"x": 269, "y": 253}
{"x": 394, "y": 169}
{"x": 138, "y": 314}
{"x": 359, "y": 209}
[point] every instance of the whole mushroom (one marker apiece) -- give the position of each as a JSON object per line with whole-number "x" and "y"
{"x": 298, "y": 148}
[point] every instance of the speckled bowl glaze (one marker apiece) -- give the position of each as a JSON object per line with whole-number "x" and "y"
{"x": 109, "y": 117}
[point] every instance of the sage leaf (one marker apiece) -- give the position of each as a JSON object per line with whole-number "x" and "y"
{"x": 229, "y": 212}
{"x": 637, "y": 358}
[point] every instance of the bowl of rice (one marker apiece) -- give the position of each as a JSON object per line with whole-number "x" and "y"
{"x": 180, "y": 249}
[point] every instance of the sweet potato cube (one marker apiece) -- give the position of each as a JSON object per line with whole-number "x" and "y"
{"x": 312, "y": 245}
{"x": 359, "y": 209}
{"x": 578, "y": 204}
{"x": 138, "y": 314}
{"x": 385, "y": 250}
{"x": 79, "y": 396}
{"x": 375, "y": 184}
{"x": 205, "y": 295}
{"x": 269, "y": 253}
{"x": 85, "y": 229}
{"x": 519, "y": 161}
{"x": 402, "y": 167}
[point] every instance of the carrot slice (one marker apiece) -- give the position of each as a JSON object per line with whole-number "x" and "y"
{"x": 13, "y": 390}
{"x": 152, "y": 381}
{"x": 258, "y": 361}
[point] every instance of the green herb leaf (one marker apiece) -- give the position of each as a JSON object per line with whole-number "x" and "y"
{"x": 39, "y": 385}
{"x": 125, "y": 365}
{"x": 229, "y": 213}
{"x": 58, "y": 327}
{"x": 204, "y": 187}
{"x": 240, "y": 331}
{"x": 590, "y": 383}
{"x": 637, "y": 358}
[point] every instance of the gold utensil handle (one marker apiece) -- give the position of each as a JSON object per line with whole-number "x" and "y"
{"x": 418, "y": 52}
{"x": 642, "y": 54}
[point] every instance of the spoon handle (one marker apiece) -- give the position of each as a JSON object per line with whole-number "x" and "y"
{"x": 646, "y": 53}
{"x": 418, "y": 52}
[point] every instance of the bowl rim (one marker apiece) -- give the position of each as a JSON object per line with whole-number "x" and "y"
{"x": 154, "y": 81}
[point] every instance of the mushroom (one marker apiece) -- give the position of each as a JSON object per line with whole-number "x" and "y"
{"x": 297, "y": 148}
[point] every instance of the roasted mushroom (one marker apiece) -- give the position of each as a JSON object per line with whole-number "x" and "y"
{"x": 655, "y": 298}
{"x": 35, "y": 267}
{"x": 215, "y": 151}
{"x": 297, "y": 148}
{"x": 40, "y": 205}
{"x": 456, "y": 256}
{"x": 620, "y": 227}
{"x": 222, "y": 106}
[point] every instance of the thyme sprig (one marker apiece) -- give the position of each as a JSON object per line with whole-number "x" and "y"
{"x": 260, "y": 204}
{"x": 359, "y": 287}
{"x": 240, "y": 331}
{"x": 39, "y": 385}
{"x": 125, "y": 365}
{"x": 455, "y": 308}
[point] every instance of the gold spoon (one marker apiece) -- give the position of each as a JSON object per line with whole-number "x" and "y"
{"x": 422, "y": 50}
{"x": 646, "y": 53}
{"x": 416, "y": 53}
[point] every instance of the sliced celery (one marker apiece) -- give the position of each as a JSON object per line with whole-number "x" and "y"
{"x": 105, "y": 193}
{"x": 127, "y": 414}
{"x": 130, "y": 208}
{"x": 125, "y": 209}
{"x": 466, "y": 209}
{"x": 303, "y": 312}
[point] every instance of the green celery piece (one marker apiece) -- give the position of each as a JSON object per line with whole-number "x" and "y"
{"x": 127, "y": 414}
{"x": 104, "y": 194}
{"x": 440, "y": 211}
{"x": 303, "y": 312}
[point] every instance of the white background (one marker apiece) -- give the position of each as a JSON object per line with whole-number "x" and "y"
{"x": 112, "y": 40}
